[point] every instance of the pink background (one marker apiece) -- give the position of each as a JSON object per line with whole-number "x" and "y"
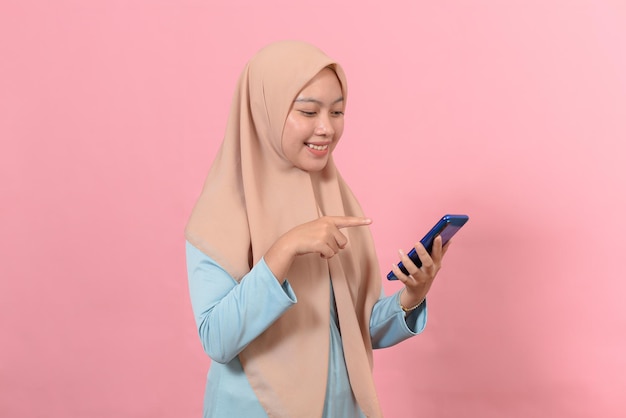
{"x": 513, "y": 112}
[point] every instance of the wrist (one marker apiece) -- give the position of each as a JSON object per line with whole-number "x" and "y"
{"x": 279, "y": 258}
{"x": 407, "y": 303}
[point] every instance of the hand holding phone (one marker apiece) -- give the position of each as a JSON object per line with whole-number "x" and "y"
{"x": 447, "y": 226}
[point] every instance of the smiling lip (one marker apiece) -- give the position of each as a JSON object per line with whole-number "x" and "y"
{"x": 318, "y": 149}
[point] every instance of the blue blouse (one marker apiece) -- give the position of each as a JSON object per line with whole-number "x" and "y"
{"x": 229, "y": 315}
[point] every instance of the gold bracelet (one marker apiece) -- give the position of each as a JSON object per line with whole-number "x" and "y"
{"x": 405, "y": 309}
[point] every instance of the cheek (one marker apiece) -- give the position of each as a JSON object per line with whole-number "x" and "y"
{"x": 294, "y": 134}
{"x": 294, "y": 129}
{"x": 338, "y": 129}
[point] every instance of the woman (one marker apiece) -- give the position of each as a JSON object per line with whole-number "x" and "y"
{"x": 283, "y": 274}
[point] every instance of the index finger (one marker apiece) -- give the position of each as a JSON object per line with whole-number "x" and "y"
{"x": 349, "y": 221}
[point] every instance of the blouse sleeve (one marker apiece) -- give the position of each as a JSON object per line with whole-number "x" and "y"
{"x": 229, "y": 315}
{"x": 389, "y": 325}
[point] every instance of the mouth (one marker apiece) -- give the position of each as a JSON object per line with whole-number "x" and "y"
{"x": 315, "y": 147}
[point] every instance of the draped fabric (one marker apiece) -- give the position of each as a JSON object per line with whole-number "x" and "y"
{"x": 252, "y": 195}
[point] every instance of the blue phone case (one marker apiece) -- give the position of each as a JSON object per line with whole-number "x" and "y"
{"x": 447, "y": 226}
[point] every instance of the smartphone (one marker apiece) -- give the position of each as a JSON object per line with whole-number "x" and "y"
{"x": 447, "y": 226}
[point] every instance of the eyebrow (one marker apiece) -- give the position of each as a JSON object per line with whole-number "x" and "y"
{"x": 312, "y": 100}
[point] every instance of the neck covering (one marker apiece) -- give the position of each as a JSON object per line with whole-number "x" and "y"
{"x": 252, "y": 195}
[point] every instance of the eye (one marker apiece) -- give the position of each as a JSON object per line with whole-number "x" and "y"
{"x": 308, "y": 113}
{"x": 337, "y": 113}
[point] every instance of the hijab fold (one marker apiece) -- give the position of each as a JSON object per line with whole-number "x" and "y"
{"x": 252, "y": 195}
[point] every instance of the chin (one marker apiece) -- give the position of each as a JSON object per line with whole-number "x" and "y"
{"x": 314, "y": 167}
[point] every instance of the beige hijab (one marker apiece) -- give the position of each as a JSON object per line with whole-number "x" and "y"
{"x": 251, "y": 196}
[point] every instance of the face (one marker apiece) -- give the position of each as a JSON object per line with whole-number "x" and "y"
{"x": 314, "y": 123}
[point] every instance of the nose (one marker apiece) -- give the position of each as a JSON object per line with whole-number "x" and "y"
{"x": 324, "y": 126}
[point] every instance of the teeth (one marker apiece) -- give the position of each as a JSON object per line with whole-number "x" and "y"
{"x": 317, "y": 147}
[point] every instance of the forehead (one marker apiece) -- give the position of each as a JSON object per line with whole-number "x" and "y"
{"x": 324, "y": 84}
